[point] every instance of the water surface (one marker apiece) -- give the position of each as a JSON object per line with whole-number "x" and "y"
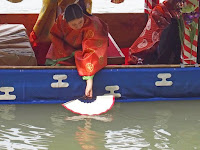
{"x": 172, "y": 125}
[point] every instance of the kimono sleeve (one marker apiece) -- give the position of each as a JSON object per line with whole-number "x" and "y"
{"x": 93, "y": 56}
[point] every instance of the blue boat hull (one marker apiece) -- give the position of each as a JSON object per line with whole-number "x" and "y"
{"x": 58, "y": 85}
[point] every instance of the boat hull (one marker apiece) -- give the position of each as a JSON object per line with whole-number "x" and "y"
{"x": 37, "y": 85}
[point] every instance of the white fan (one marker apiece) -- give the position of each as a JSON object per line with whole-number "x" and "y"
{"x": 101, "y": 105}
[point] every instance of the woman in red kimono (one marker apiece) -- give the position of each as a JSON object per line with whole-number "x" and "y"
{"x": 81, "y": 40}
{"x": 147, "y": 43}
{"x": 39, "y": 37}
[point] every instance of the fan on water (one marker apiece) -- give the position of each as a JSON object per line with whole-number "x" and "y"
{"x": 98, "y": 106}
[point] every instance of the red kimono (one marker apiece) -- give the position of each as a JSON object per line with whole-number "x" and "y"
{"x": 147, "y": 42}
{"x": 88, "y": 44}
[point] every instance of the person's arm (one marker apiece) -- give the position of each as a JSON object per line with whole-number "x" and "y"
{"x": 93, "y": 56}
{"x": 89, "y": 85}
{"x": 87, "y": 63}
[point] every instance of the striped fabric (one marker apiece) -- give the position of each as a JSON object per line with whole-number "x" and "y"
{"x": 188, "y": 49}
{"x": 149, "y": 5}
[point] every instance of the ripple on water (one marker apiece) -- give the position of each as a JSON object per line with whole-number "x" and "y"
{"x": 24, "y": 137}
{"x": 125, "y": 138}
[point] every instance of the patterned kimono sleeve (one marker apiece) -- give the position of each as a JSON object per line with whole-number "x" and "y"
{"x": 57, "y": 37}
{"x": 93, "y": 56}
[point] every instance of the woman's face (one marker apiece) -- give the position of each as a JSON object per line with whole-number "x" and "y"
{"x": 76, "y": 23}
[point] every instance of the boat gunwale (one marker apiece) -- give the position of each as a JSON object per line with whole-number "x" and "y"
{"x": 107, "y": 67}
{"x": 108, "y": 13}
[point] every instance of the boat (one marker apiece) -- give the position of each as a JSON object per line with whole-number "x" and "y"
{"x": 128, "y": 83}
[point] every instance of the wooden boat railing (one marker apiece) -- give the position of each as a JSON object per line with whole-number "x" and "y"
{"x": 107, "y": 67}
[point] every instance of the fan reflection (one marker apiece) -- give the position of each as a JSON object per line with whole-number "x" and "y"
{"x": 84, "y": 135}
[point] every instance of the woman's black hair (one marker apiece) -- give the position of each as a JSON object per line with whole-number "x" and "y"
{"x": 73, "y": 11}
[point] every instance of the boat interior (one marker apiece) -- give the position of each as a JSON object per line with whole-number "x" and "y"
{"x": 123, "y": 27}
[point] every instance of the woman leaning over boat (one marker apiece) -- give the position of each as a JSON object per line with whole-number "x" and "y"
{"x": 39, "y": 37}
{"x": 81, "y": 40}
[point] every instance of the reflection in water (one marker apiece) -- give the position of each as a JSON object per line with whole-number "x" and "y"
{"x": 25, "y": 137}
{"x": 16, "y": 135}
{"x": 57, "y": 120}
{"x": 162, "y": 136}
{"x": 104, "y": 118}
{"x": 7, "y": 112}
{"x": 132, "y": 126}
{"x": 126, "y": 138}
{"x": 86, "y": 137}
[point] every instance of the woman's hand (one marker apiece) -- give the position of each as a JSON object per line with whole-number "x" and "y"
{"x": 88, "y": 89}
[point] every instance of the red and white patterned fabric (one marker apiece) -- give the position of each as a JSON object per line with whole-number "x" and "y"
{"x": 188, "y": 49}
{"x": 149, "y": 5}
{"x": 146, "y": 43}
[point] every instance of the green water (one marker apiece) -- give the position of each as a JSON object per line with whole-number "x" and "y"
{"x": 170, "y": 125}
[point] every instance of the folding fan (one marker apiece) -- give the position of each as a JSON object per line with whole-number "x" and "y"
{"x": 96, "y": 107}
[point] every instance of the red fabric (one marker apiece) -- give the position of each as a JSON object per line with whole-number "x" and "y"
{"x": 149, "y": 5}
{"x": 40, "y": 50}
{"x": 90, "y": 44}
{"x": 32, "y": 37}
{"x": 148, "y": 40}
{"x": 125, "y": 51}
{"x": 112, "y": 50}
